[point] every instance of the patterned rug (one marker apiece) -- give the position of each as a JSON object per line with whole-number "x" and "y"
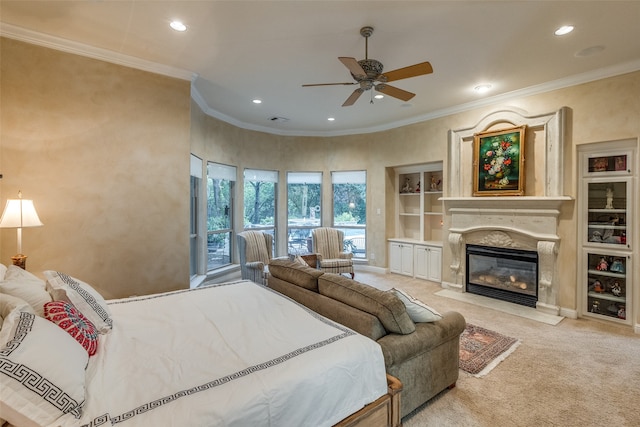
{"x": 481, "y": 350}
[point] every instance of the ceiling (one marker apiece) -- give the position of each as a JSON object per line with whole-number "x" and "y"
{"x": 237, "y": 51}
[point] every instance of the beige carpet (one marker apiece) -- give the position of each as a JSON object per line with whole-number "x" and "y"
{"x": 576, "y": 373}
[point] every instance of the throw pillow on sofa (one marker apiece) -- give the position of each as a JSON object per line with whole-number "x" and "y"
{"x": 418, "y": 311}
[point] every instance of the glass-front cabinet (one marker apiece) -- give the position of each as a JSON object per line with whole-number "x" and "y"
{"x": 608, "y": 288}
{"x": 606, "y": 216}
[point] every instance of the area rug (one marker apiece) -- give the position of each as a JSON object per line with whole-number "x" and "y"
{"x": 481, "y": 350}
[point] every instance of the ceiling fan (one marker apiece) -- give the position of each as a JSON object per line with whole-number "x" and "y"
{"x": 368, "y": 74}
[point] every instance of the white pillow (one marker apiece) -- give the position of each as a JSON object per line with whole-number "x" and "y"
{"x": 417, "y": 310}
{"x": 22, "y": 284}
{"x": 3, "y": 270}
{"x": 7, "y": 304}
{"x": 43, "y": 371}
{"x": 85, "y": 299}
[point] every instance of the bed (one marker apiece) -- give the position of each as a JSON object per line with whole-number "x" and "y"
{"x": 230, "y": 354}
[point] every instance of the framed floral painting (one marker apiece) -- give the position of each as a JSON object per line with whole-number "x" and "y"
{"x": 498, "y": 159}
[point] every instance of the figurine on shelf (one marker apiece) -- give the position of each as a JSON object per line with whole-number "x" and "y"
{"x": 407, "y": 186}
{"x": 434, "y": 183}
{"x": 418, "y": 187}
{"x": 622, "y": 313}
{"x": 595, "y": 307}
{"x": 617, "y": 266}
{"x": 603, "y": 265}
{"x": 598, "y": 287}
{"x": 596, "y": 236}
{"x": 616, "y": 289}
{"x": 609, "y": 198}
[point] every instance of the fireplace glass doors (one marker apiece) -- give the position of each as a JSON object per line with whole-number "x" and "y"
{"x": 503, "y": 273}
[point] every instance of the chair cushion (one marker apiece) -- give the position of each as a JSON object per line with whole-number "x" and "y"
{"x": 296, "y": 273}
{"x": 386, "y": 306}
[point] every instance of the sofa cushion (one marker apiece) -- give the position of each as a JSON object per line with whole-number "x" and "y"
{"x": 386, "y": 306}
{"x": 296, "y": 273}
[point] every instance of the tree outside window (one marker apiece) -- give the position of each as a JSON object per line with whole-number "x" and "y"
{"x": 220, "y": 185}
{"x": 304, "y": 213}
{"x": 350, "y": 209}
{"x": 260, "y": 201}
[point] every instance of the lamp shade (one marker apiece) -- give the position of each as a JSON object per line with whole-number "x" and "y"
{"x": 20, "y": 213}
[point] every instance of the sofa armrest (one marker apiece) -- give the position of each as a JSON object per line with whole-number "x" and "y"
{"x": 345, "y": 255}
{"x": 256, "y": 265}
{"x": 397, "y": 348}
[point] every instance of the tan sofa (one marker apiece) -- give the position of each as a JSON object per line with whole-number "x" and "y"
{"x": 423, "y": 356}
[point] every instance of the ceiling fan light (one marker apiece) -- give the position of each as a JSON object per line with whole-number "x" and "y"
{"x": 331, "y": 119}
{"x": 379, "y": 96}
{"x": 257, "y": 101}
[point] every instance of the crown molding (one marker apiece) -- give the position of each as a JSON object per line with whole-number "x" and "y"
{"x": 69, "y": 46}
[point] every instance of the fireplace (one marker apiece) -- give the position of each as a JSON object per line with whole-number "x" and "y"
{"x": 504, "y": 273}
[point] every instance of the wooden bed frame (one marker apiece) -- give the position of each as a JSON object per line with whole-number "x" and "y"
{"x": 384, "y": 412}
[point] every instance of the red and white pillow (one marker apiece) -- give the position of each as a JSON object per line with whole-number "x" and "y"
{"x": 75, "y": 323}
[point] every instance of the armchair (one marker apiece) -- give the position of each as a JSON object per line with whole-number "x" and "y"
{"x": 255, "y": 248}
{"x": 328, "y": 245}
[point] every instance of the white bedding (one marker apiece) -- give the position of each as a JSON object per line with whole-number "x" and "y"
{"x": 234, "y": 354}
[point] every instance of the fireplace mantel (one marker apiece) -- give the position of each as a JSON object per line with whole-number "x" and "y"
{"x": 527, "y": 222}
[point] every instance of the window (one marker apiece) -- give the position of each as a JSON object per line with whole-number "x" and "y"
{"x": 220, "y": 191}
{"x": 304, "y": 195}
{"x": 196, "y": 180}
{"x": 350, "y": 209}
{"x": 260, "y": 190}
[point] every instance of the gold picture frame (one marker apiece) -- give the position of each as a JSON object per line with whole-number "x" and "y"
{"x": 498, "y": 162}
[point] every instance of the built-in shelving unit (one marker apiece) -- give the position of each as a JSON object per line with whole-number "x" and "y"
{"x": 416, "y": 249}
{"x": 606, "y": 218}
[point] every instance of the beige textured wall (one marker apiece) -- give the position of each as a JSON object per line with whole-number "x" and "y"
{"x": 603, "y": 110}
{"x": 104, "y": 152}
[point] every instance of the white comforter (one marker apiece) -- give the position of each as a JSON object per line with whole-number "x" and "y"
{"x": 235, "y": 354}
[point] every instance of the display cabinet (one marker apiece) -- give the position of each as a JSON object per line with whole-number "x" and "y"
{"x": 608, "y": 287}
{"x": 607, "y": 194}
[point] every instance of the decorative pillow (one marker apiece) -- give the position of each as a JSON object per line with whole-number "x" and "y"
{"x": 42, "y": 371}
{"x": 79, "y": 327}
{"x": 387, "y": 307}
{"x": 293, "y": 272}
{"x": 24, "y": 285}
{"x": 83, "y": 297}
{"x": 7, "y": 304}
{"x": 417, "y": 310}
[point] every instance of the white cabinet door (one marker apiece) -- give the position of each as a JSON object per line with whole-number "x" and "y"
{"x": 407, "y": 259}
{"x": 401, "y": 258}
{"x": 428, "y": 261}
{"x": 435, "y": 265}
{"x": 395, "y": 257}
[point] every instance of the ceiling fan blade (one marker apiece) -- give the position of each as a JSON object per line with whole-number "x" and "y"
{"x": 395, "y": 92}
{"x": 353, "y": 97}
{"x": 353, "y": 66}
{"x": 330, "y": 84}
{"x": 410, "y": 71}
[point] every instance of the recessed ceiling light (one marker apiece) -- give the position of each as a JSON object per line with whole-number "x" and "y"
{"x": 482, "y": 88}
{"x": 331, "y": 119}
{"x": 178, "y": 26}
{"x": 565, "y": 29}
{"x": 257, "y": 101}
{"x": 378, "y": 96}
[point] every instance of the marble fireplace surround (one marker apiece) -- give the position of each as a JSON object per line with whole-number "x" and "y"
{"x": 527, "y": 222}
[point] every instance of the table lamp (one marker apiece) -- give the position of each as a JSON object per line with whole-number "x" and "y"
{"x": 19, "y": 213}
